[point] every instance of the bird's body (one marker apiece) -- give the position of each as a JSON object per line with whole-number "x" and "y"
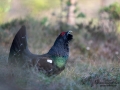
{"x": 52, "y": 62}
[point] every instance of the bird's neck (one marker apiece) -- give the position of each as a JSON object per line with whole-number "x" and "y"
{"x": 59, "y": 49}
{"x": 59, "y": 53}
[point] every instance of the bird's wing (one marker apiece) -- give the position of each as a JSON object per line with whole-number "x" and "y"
{"x": 19, "y": 50}
{"x": 43, "y": 63}
{"x": 46, "y": 63}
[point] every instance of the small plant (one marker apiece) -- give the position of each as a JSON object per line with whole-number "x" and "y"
{"x": 114, "y": 14}
{"x": 68, "y": 15}
{"x": 113, "y": 10}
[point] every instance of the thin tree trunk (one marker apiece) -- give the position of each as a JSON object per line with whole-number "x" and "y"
{"x": 71, "y": 16}
{"x": 103, "y": 3}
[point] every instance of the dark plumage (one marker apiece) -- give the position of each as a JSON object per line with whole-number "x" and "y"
{"x": 51, "y": 63}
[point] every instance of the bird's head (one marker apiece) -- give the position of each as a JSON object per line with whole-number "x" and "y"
{"x": 66, "y": 36}
{"x": 61, "y": 45}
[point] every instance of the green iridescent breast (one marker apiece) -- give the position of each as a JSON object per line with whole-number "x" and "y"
{"x": 60, "y": 61}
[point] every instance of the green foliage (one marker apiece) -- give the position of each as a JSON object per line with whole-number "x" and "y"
{"x": 4, "y": 5}
{"x": 13, "y": 23}
{"x": 44, "y": 21}
{"x": 63, "y": 16}
{"x": 39, "y": 5}
{"x": 81, "y": 15}
{"x": 76, "y": 10}
{"x": 114, "y": 13}
{"x": 113, "y": 10}
{"x": 4, "y": 8}
{"x": 68, "y": 3}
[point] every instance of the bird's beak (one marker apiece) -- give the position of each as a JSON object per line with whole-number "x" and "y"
{"x": 69, "y": 36}
{"x": 69, "y": 32}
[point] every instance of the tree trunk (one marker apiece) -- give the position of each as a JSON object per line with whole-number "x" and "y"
{"x": 71, "y": 16}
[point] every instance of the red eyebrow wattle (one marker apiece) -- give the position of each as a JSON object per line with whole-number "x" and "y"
{"x": 63, "y": 33}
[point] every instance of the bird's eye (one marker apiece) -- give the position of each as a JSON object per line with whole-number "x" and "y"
{"x": 62, "y": 34}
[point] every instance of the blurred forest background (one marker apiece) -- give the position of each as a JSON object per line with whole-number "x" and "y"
{"x": 94, "y": 51}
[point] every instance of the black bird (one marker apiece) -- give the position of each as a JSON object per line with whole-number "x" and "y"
{"x": 53, "y": 62}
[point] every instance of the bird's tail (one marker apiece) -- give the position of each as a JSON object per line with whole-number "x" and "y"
{"x": 18, "y": 46}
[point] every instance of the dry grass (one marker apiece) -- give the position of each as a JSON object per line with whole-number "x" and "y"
{"x": 69, "y": 79}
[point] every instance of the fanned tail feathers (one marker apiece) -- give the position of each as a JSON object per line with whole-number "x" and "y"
{"x": 18, "y": 45}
